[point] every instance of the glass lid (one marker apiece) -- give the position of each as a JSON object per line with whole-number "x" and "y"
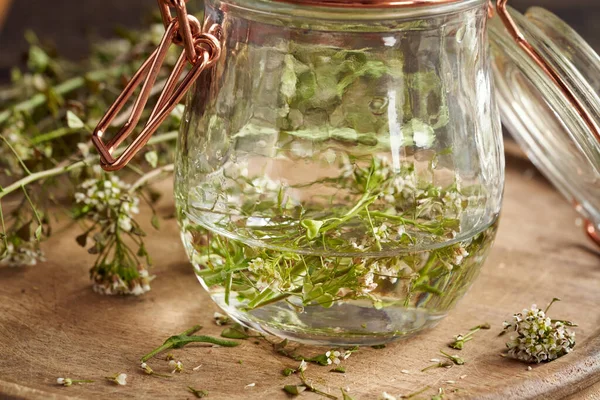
{"x": 548, "y": 87}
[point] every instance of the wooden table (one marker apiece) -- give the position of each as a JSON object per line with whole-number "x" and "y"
{"x": 53, "y": 325}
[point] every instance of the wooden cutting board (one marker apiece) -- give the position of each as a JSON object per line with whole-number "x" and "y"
{"x": 53, "y": 325}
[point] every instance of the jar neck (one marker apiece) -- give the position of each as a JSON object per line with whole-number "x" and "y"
{"x": 332, "y": 11}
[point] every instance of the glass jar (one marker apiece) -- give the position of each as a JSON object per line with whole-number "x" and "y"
{"x": 339, "y": 173}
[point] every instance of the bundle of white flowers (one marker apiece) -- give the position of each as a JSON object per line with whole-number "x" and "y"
{"x": 534, "y": 337}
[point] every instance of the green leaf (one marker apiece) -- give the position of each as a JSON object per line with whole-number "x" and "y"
{"x": 234, "y": 333}
{"x": 312, "y": 228}
{"x": 340, "y": 369}
{"x": 38, "y": 232}
{"x": 152, "y": 158}
{"x": 288, "y": 371}
{"x": 320, "y": 359}
{"x": 294, "y": 390}
{"x": 38, "y": 60}
{"x": 155, "y": 221}
{"x": 198, "y": 393}
{"x": 73, "y": 121}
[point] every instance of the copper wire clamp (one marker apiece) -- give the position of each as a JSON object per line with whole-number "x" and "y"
{"x": 201, "y": 50}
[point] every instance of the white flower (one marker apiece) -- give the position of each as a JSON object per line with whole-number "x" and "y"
{"x": 303, "y": 366}
{"x": 107, "y": 199}
{"x": 359, "y": 246}
{"x": 381, "y": 232}
{"x": 386, "y": 396}
{"x": 137, "y": 290}
{"x": 220, "y": 319}
{"x": 366, "y": 283}
{"x": 333, "y": 357}
{"x": 535, "y": 338}
{"x": 256, "y": 265}
{"x": 26, "y": 253}
{"x": 459, "y": 254}
{"x": 121, "y": 379}
{"x": 60, "y": 381}
{"x": 176, "y": 365}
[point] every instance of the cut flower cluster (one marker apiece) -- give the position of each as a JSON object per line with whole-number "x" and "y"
{"x": 535, "y": 338}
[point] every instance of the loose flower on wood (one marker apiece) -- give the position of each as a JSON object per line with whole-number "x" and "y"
{"x": 534, "y": 337}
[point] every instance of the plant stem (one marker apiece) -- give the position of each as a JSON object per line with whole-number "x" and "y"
{"x": 58, "y": 133}
{"x": 67, "y": 168}
{"x": 150, "y": 175}
{"x": 363, "y": 202}
{"x": 61, "y": 89}
{"x": 178, "y": 341}
{"x": 12, "y": 149}
{"x": 313, "y": 389}
{"x": 4, "y": 236}
{"x": 418, "y": 392}
{"x": 44, "y": 174}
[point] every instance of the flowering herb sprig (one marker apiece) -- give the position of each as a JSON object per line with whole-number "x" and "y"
{"x": 45, "y": 125}
{"x": 534, "y": 337}
{"x": 460, "y": 340}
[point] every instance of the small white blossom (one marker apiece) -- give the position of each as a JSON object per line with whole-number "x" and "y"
{"x": 535, "y": 338}
{"x": 60, "y": 381}
{"x": 121, "y": 379}
{"x": 459, "y": 254}
{"x": 176, "y": 365}
{"x": 112, "y": 283}
{"x": 333, "y": 357}
{"x": 107, "y": 199}
{"x": 381, "y": 232}
{"x": 366, "y": 283}
{"x": 26, "y": 253}
{"x": 220, "y": 319}
{"x": 303, "y": 366}
{"x": 386, "y": 396}
{"x": 256, "y": 265}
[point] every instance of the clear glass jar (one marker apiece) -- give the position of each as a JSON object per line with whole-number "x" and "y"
{"x": 340, "y": 170}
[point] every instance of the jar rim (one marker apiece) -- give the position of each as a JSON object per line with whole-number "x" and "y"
{"x": 370, "y": 3}
{"x": 371, "y": 10}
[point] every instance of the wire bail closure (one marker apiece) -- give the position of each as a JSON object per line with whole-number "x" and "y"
{"x": 201, "y": 50}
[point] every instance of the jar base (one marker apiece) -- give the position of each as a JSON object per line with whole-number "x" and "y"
{"x": 355, "y": 323}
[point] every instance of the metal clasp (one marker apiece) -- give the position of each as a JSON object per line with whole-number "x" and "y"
{"x": 201, "y": 50}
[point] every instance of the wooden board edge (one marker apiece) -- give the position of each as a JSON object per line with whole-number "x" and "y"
{"x": 13, "y": 391}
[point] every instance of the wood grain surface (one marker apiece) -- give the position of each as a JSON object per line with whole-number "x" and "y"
{"x": 53, "y": 325}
